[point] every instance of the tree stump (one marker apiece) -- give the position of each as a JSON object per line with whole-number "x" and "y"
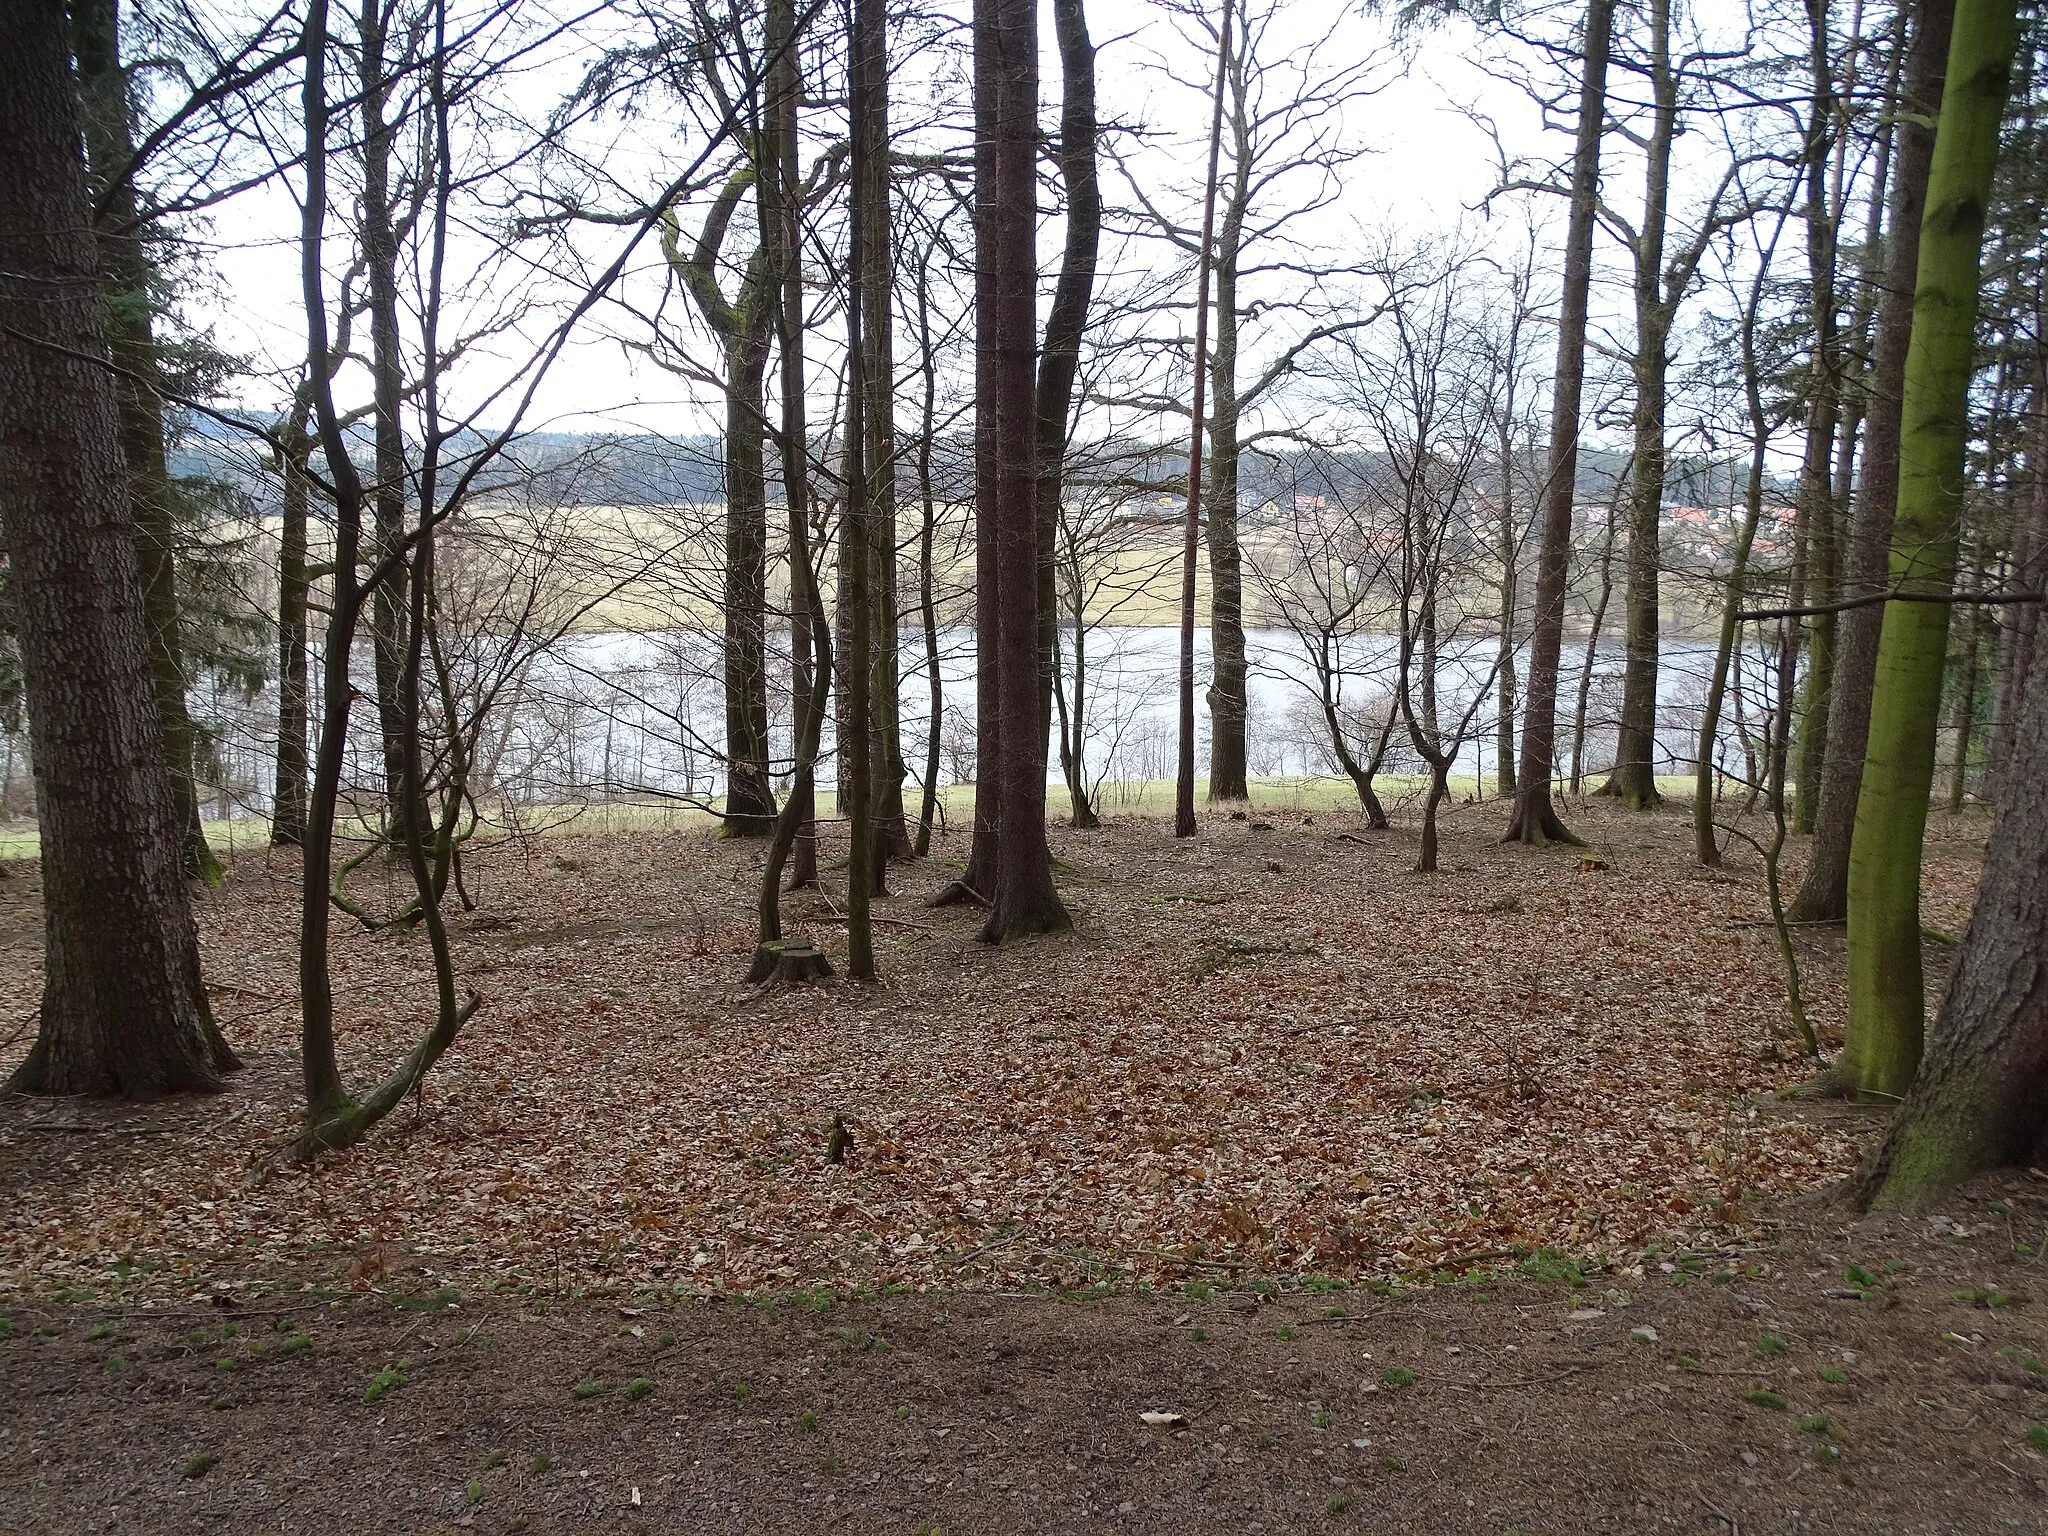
{"x": 788, "y": 962}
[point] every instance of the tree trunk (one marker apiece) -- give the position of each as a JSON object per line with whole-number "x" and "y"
{"x": 1980, "y": 1099}
{"x": 2022, "y": 620}
{"x": 1535, "y": 819}
{"x": 1023, "y": 899}
{"x": 1823, "y": 894}
{"x": 1817, "y": 509}
{"x": 1887, "y": 996}
{"x": 749, "y": 796}
{"x": 1228, "y": 699}
{"x": 1633, "y": 779}
{"x": 106, "y": 110}
{"x": 288, "y": 799}
{"x": 1053, "y": 401}
{"x": 1205, "y": 264}
{"x": 123, "y": 1010}
{"x": 1593, "y": 630}
{"x": 1976, "y": 628}
{"x": 1510, "y": 555}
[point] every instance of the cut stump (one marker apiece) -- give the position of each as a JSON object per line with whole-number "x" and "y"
{"x": 788, "y": 962}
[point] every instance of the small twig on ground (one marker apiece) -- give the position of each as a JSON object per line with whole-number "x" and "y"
{"x": 1525, "y": 1381}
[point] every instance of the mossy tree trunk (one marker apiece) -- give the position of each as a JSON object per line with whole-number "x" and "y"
{"x": 1981, "y": 1097}
{"x": 1823, "y": 894}
{"x": 1887, "y": 998}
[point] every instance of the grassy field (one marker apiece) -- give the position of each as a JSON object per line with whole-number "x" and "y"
{"x": 1139, "y": 797}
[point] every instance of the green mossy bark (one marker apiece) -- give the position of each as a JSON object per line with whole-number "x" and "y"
{"x": 1887, "y": 996}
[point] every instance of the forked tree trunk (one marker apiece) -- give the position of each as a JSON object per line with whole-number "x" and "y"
{"x": 1887, "y": 996}
{"x": 123, "y": 1009}
{"x": 1823, "y": 894}
{"x": 1022, "y": 899}
{"x": 1535, "y": 819}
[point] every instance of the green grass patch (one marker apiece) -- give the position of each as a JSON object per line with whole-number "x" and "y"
{"x": 636, "y": 1389}
{"x": 1833, "y": 1375}
{"x": 386, "y": 1381}
{"x": 1764, "y": 1397}
{"x": 198, "y": 1466}
{"x": 1397, "y": 1377}
{"x": 584, "y": 1390}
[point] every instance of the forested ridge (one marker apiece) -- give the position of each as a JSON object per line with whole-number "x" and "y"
{"x": 932, "y": 765}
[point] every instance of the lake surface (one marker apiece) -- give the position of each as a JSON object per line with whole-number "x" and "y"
{"x": 621, "y": 714}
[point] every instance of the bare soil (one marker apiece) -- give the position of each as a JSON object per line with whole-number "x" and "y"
{"x": 1535, "y": 1406}
{"x": 1279, "y": 1118}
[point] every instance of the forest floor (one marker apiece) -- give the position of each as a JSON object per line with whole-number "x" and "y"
{"x": 1280, "y": 1118}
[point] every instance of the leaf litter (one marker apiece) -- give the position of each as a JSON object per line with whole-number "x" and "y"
{"x": 1309, "y": 1062}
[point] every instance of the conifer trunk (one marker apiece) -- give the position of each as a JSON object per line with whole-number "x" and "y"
{"x": 123, "y": 1009}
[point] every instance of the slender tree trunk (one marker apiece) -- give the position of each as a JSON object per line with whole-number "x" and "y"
{"x": 1229, "y": 702}
{"x": 1535, "y": 819}
{"x": 749, "y": 795}
{"x": 1823, "y": 894}
{"x": 1887, "y": 996}
{"x": 1053, "y": 401}
{"x": 123, "y": 1010}
{"x": 288, "y": 799}
{"x": 927, "y": 572}
{"x": 1727, "y": 649}
{"x": 778, "y": 197}
{"x": 1504, "y": 665}
{"x": 1597, "y": 624}
{"x": 1205, "y": 263}
{"x": 106, "y": 109}
{"x": 1976, "y": 628}
{"x": 1023, "y": 899}
{"x": 1823, "y": 418}
{"x": 1633, "y": 779}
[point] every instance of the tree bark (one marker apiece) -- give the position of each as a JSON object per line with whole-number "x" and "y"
{"x": 1535, "y": 819}
{"x": 1817, "y": 509}
{"x": 1981, "y": 1097}
{"x": 1633, "y": 779}
{"x": 288, "y": 798}
{"x": 1823, "y": 894}
{"x": 123, "y": 1009}
{"x": 1022, "y": 899}
{"x": 1229, "y": 702}
{"x": 1065, "y": 325}
{"x": 106, "y": 109}
{"x": 1184, "y": 768}
{"x": 1887, "y": 997}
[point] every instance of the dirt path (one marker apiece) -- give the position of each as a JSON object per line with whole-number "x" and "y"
{"x": 1618, "y": 1404}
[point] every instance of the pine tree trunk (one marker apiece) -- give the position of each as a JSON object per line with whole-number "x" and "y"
{"x": 1228, "y": 699}
{"x": 1535, "y": 819}
{"x": 1981, "y": 1097}
{"x": 1823, "y": 894}
{"x": 123, "y": 1009}
{"x": 1022, "y": 899}
{"x": 106, "y": 109}
{"x": 1887, "y": 997}
{"x": 2022, "y": 621}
